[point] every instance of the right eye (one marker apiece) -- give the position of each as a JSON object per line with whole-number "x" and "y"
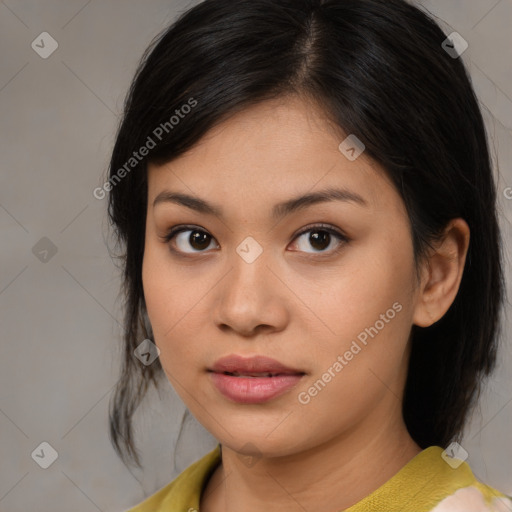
{"x": 184, "y": 237}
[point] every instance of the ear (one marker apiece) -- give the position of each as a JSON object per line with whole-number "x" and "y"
{"x": 442, "y": 274}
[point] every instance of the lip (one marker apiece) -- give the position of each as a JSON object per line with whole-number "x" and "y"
{"x": 254, "y": 364}
{"x": 245, "y": 386}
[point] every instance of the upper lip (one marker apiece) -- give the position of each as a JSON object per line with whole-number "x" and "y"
{"x": 254, "y": 364}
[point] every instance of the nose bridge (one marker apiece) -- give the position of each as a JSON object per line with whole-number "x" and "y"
{"x": 247, "y": 296}
{"x": 250, "y": 250}
{"x": 249, "y": 263}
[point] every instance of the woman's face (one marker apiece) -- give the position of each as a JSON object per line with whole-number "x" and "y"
{"x": 266, "y": 275}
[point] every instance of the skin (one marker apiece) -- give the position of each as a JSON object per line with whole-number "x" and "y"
{"x": 298, "y": 303}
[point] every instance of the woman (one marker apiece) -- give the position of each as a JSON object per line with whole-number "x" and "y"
{"x": 304, "y": 194}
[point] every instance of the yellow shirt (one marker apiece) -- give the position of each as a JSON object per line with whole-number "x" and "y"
{"x": 427, "y": 483}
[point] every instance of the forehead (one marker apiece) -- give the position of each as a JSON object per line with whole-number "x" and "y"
{"x": 276, "y": 149}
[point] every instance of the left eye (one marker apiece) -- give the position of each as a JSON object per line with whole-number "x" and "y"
{"x": 320, "y": 238}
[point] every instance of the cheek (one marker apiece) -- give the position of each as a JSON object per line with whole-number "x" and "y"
{"x": 365, "y": 362}
{"x": 367, "y": 286}
{"x": 165, "y": 291}
{"x": 164, "y": 300}
{"x": 153, "y": 283}
{"x": 368, "y": 307}
{"x": 175, "y": 310}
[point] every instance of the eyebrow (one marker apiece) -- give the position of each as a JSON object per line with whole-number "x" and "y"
{"x": 278, "y": 211}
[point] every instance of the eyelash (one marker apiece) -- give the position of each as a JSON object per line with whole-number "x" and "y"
{"x": 171, "y": 234}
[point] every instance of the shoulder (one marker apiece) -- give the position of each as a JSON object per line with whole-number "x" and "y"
{"x": 456, "y": 487}
{"x": 465, "y": 493}
{"x": 475, "y": 498}
{"x": 434, "y": 481}
{"x": 184, "y": 492}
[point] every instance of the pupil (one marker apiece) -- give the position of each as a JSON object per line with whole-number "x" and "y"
{"x": 319, "y": 239}
{"x": 199, "y": 238}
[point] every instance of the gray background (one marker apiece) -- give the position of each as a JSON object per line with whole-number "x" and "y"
{"x": 60, "y": 318}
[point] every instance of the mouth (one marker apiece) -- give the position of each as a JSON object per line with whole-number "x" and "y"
{"x": 253, "y": 380}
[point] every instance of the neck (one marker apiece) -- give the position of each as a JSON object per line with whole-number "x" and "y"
{"x": 331, "y": 476}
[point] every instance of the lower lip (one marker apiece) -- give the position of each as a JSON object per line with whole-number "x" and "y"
{"x": 253, "y": 390}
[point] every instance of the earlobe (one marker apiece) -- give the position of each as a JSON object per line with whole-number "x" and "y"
{"x": 442, "y": 274}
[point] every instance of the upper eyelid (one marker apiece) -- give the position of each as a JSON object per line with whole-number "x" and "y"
{"x": 320, "y": 226}
{"x": 187, "y": 227}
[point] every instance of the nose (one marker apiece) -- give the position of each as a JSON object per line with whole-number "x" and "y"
{"x": 251, "y": 299}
